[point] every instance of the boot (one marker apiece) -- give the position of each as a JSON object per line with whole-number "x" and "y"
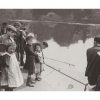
{"x": 38, "y": 77}
{"x": 30, "y": 81}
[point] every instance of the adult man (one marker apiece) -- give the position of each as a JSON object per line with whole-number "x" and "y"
{"x": 93, "y": 63}
{"x": 20, "y": 41}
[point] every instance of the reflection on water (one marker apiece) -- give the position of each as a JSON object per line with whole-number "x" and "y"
{"x": 63, "y": 34}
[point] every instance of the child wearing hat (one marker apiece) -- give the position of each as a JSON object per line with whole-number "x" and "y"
{"x": 30, "y": 61}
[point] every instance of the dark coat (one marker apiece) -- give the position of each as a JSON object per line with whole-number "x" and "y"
{"x": 30, "y": 58}
{"x": 93, "y": 62}
{"x": 4, "y": 62}
{"x": 3, "y": 30}
{"x": 20, "y": 41}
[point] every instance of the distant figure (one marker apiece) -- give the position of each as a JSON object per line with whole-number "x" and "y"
{"x": 93, "y": 64}
{"x": 3, "y": 28}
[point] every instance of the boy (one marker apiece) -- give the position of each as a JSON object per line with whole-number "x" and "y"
{"x": 30, "y": 61}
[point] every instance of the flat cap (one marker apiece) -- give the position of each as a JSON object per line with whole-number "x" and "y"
{"x": 11, "y": 28}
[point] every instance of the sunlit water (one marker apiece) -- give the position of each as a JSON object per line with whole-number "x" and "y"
{"x": 74, "y": 54}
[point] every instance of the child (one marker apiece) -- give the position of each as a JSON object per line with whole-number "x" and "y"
{"x": 30, "y": 61}
{"x": 38, "y": 61}
{"x": 11, "y": 76}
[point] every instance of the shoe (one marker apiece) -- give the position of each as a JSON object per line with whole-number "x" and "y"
{"x": 30, "y": 85}
{"x": 33, "y": 81}
{"x": 38, "y": 79}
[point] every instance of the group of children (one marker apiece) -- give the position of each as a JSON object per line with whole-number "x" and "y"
{"x": 11, "y": 75}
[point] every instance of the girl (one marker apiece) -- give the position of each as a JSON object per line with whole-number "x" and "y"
{"x": 11, "y": 76}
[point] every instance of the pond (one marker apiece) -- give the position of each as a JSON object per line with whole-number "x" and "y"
{"x": 74, "y": 54}
{"x": 67, "y": 47}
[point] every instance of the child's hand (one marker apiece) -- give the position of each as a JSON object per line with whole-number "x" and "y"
{"x": 3, "y": 53}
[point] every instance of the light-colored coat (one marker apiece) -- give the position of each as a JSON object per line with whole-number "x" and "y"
{"x": 5, "y": 39}
{"x": 11, "y": 76}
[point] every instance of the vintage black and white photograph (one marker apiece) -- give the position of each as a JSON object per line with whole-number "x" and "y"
{"x": 49, "y": 50}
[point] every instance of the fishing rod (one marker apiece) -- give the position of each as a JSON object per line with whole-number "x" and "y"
{"x": 85, "y": 84}
{"x": 60, "y": 61}
{"x": 59, "y": 70}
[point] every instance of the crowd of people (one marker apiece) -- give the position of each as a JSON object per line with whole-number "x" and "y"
{"x": 21, "y": 48}
{"x": 15, "y": 43}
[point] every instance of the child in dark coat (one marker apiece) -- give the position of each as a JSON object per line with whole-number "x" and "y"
{"x": 30, "y": 61}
